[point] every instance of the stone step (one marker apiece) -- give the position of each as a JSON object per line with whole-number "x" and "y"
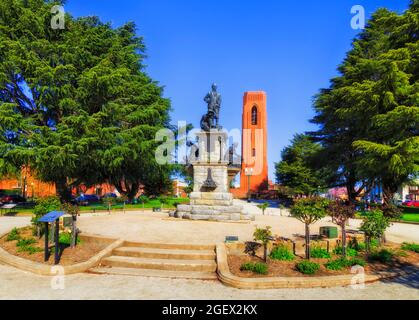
{"x": 160, "y": 264}
{"x": 155, "y": 253}
{"x": 155, "y": 273}
{"x": 170, "y": 246}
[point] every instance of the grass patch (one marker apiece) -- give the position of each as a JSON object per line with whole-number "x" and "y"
{"x": 27, "y": 245}
{"x": 282, "y": 253}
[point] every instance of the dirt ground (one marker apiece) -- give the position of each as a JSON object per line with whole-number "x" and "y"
{"x": 83, "y": 251}
{"x": 287, "y": 268}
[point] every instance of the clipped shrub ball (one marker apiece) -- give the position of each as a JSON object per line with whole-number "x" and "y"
{"x": 308, "y": 267}
{"x": 282, "y": 253}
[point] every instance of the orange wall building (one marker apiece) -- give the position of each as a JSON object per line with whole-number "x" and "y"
{"x": 254, "y": 145}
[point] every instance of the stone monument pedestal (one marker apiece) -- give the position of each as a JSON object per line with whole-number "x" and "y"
{"x": 211, "y": 199}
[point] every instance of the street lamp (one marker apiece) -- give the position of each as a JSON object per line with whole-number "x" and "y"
{"x": 248, "y": 172}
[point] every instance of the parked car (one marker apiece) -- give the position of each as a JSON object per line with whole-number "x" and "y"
{"x": 411, "y": 203}
{"x": 109, "y": 195}
{"x": 87, "y": 199}
{"x": 12, "y": 198}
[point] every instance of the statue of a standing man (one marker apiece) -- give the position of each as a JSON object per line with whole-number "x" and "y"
{"x": 213, "y": 99}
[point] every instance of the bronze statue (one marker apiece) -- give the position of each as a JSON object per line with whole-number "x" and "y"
{"x": 211, "y": 119}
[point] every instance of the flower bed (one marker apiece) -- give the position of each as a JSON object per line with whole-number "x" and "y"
{"x": 25, "y": 245}
{"x": 376, "y": 264}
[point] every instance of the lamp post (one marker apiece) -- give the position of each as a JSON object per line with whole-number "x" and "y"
{"x": 248, "y": 173}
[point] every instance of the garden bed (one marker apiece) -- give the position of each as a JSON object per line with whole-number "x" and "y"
{"x": 85, "y": 250}
{"x": 277, "y": 268}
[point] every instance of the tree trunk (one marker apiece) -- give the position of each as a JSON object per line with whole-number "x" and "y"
{"x": 308, "y": 241}
{"x": 63, "y": 190}
{"x": 265, "y": 253}
{"x": 343, "y": 240}
{"x": 367, "y": 244}
{"x": 74, "y": 232}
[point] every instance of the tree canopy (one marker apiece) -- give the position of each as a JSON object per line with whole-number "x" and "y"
{"x": 369, "y": 117}
{"x": 76, "y": 105}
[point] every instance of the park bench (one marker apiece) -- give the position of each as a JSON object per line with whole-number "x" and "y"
{"x": 10, "y": 207}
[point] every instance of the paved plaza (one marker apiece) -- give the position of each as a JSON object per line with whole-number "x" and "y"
{"x": 156, "y": 227}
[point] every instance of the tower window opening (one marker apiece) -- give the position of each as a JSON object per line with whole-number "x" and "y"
{"x": 254, "y": 152}
{"x": 254, "y": 115}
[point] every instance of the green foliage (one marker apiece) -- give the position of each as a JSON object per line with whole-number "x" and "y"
{"x": 374, "y": 224}
{"x": 307, "y": 267}
{"x": 319, "y": 253}
{"x": 297, "y": 171}
{"x": 309, "y": 210}
{"x": 27, "y": 245}
{"x": 263, "y": 207}
{"x": 13, "y": 235}
{"x": 263, "y": 235}
{"x": 259, "y": 268}
{"x": 368, "y": 116}
{"x": 44, "y": 206}
{"x": 77, "y": 103}
{"x": 282, "y": 253}
{"x": 383, "y": 255}
{"x": 410, "y": 247}
{"x": 65, "y": 239}
{"x": 350, "y": 252}
{"x": 342, "y": 263}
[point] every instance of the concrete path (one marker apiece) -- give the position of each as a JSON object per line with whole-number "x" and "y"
{"x": 8, "y": 223}
{"x": 15, "y": 284}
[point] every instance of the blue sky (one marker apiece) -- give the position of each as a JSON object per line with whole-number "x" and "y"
{"x": 288, "y": 48}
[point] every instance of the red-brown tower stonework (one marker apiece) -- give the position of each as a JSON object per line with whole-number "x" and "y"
{"x": 254, "y": 144}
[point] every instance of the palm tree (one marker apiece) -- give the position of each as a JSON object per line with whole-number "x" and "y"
{"x": 263, "y": 207}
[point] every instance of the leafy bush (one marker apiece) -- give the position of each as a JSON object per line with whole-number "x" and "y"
{"x": 13, "y": 235}
{"x": 319, "y": 253}
{"x": 410, "y": 247}
{"x": 65, "y": 239}
{"x": 361, "y": 245}
{"x": 251, "y": 248}
{"x": 308, "y": 267}
{"x": 383, "y": 255}
{"x": 26, "y": 245}
{"x": 264, "y": 236}
{"x": 341, "y": 263}
{"x": 374, "y": 225}
{"x": 283, "y": 253}
{"x": 259, "y": 268}
{"x": 350, "y": 252}
{"x": 44, "y": 206}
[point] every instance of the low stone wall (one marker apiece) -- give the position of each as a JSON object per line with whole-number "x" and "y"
{"x": 227, "y": 278}
{"x": 48, "y": 270}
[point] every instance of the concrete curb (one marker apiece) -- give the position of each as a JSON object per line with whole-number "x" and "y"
{"x": 227, "y": 278}
{"x": 47, "y": 270}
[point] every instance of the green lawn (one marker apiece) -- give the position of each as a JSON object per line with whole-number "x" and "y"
{"x": 411, "y": 217}
{"x": 118, "y": 207}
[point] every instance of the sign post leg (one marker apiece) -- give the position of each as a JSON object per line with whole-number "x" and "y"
{"x": 46, "y": 250}
{"x": 57, "y": 240}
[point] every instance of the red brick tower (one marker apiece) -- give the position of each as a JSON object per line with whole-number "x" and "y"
{"x": 254, "y": 143}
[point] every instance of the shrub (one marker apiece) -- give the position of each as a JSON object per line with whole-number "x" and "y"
{"x": 283, "y": 253}
{"x": 374, "y": 225}
{"x": 65, "y": 239}
{"x": 26, "y": 245}
{"x": 319, "y": 253}
{"x": 350, "y": 252}
{"x": 383, "y": 255}
{"x": 308, "y": 267}
{"x": 13, "y": 235}
{"x": 44, "y": 206}
{"x": 361, "y": 245}
{"x": 264, "y": 236}
{"x": 341, "y": 263}
{"x": 260, "y": 268}
{"x": 251, "y": 248}
{"x": 410, "y": 247}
